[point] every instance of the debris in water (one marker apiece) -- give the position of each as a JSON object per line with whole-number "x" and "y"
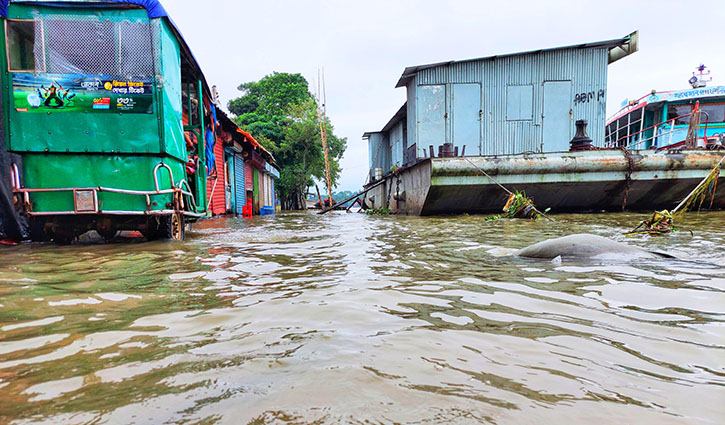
{"x": 519, "y": 206}
{"x": 663, "y": 222}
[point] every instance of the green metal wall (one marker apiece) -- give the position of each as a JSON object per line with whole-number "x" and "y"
{"x": 78, "y": 171}
{"x": 171, "y": 107}
{"x": 71, "y": 131}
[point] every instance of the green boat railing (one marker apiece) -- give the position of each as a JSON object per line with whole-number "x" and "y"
{"x": 179, "y": 191}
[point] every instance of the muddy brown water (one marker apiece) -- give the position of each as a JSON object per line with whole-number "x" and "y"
{"x": 353, "y": 319}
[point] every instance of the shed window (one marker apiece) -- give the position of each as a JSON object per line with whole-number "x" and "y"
{"x": 21, "y": 45}
{"x": 520, "y": 103}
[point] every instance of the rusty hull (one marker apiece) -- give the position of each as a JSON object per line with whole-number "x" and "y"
{"x": 565, "y": 182}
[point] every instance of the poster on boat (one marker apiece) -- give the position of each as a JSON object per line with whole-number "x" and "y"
{"x": 81, "y": 93}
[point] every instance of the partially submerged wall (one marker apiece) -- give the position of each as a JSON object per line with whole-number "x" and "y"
{"x": 404, "y": 191}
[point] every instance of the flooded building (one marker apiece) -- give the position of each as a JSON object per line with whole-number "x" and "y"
{"x": 245, "y": 175}
{"x": 497, "y": 105}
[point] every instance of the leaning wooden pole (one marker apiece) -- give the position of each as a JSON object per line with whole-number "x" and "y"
{"x": 323, "y": 135}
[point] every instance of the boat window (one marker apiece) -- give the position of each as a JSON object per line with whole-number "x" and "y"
{"x": 680, "y": 113}
{"x": 80, "y": 47}
{"x": 20, "y": 36}
{"x": 59, "y": 44}
{"x": 93, "y": 47}
{"x": 712, "y": 113}
{"x": 136, "y": 42}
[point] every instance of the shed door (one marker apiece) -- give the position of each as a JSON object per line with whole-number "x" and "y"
{"x": 431, "y": 116}
{"x": 241, "y": 193}
{"x": 556, "y": 120}
{"x": 230, "y": 181}
{"x": 467, "y": 118}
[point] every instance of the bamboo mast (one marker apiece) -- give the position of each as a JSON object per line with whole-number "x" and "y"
{"x": 322, "y": 115}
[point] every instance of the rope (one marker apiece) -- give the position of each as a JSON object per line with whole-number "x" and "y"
{"x": 489, "y": 177}
{"x": 504, "y": 188}
{"x": 628, "y": 178}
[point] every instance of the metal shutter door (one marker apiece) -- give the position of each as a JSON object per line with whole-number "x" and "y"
{"x": 241, "y": 195}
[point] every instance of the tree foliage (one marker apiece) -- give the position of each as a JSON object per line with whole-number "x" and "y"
{"x": 281, "y": 113}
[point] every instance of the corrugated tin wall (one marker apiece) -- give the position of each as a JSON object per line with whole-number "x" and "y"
{"x": 379, "y": 152}
{"x": 411, "y": 133}
{"x": 218, "y": 204}
{"x": 585, "y": 68}
{"x": 397, "y": 146}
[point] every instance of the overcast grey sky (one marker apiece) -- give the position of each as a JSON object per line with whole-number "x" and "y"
{"x": 364, "y": 46}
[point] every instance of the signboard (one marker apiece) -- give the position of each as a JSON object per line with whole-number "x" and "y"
{"x": 271, "y": 170}
{"x": 674, "y": 96}
{"x": 44, "y": 93}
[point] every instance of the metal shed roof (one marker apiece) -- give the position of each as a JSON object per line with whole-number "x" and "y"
{"x": 618, "y": 49}
{"x": 244, "y": 137}
{"x": 402, "y": 112}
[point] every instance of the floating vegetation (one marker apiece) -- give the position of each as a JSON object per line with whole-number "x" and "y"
{"x": 663, "y": 222}
{"x": 519, "y": 206}
{"x": 379, "y": 211}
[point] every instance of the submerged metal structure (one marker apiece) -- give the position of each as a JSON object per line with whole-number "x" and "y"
{"x": 595, "y": 180}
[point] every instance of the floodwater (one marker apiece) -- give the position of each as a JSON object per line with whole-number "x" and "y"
{"x": 351, "y": 319}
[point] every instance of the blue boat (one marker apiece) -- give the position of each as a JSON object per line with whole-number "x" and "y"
{"x": 661, "y": 120}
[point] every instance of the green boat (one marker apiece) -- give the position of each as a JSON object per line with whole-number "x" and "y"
{"x": 107, "y": 116}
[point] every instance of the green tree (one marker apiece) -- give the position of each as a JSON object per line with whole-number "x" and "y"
{"x": 281, "y": 112}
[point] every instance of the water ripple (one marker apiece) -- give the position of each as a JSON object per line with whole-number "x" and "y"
{"x": 353, "y": 319}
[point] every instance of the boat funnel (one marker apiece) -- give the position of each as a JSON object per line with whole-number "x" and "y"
{"x": 581, "y": 142}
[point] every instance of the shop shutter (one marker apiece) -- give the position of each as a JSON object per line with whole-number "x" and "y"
{"x": 241, "y": 195}
{"x": 248, "y": 176}
{"x": 217, "y": 202}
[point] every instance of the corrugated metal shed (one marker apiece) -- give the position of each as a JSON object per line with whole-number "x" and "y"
{"x": 504, "y": 104}
{"x": 617, "y": 48}
{"x": 512, "y": 103}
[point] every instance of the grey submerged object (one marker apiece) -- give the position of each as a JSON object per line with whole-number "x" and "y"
{"x": 585, "y": 246}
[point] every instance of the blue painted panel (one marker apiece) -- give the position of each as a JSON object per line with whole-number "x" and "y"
{"x": 557, "y": 120}
{"x": 396, "y": 145}
{"x": 241, "y": 195}
{"x": 231, "y": 193}
{"x": 431, "y": 116}
{"x": 520, "y": 103}
{"x": 467, "y": 118}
